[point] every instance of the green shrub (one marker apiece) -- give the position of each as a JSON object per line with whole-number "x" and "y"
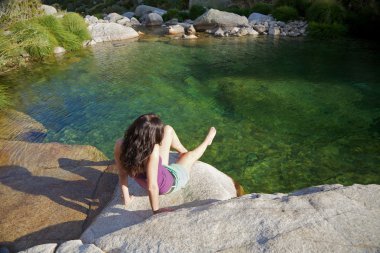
{"x": 13, "y": 11}
{"x": 75, "y": 24}
{"x": 263, "y": 8}
{"x": 66, "y": 38}
{"x": 183, "y": 15}
{"x": 300, "y": 5}
{"x": 34, "y": 38}
{"x": 4, "y": 98}
{"x": 326, "y": 11}
{"x": 172, "y": 13}
{"x": 285, "y": 13}
{"x": 323, "y": 30}
{"x": 196, "y": 11}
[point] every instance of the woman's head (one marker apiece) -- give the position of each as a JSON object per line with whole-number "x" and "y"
{"x": 139, "y": 140}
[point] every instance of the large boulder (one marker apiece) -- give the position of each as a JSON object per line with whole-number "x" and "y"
{"x": 216, "y": 4}
{"x": 49, "y": 192}
{"x": 141, "y": 10}
{"x": 43, "y": 248}
{"x": 101, "y": 32}
{"x": 329, "y": 218}
{"x": 152, "y": 19}
{"x": 16, "y": 125}
{"x": 206, "y": 185}
{"x": 215, "y": 18}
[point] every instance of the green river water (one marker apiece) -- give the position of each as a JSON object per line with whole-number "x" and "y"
{"x": 290, "y": 113}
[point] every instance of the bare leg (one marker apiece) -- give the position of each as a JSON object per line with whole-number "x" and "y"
{"x": 169, "y": 140}
{"x": 188, "y": 159}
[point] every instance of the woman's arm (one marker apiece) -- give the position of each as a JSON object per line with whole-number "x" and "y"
{"x": 152, "y": 171}
{"x": 123, "y": 176}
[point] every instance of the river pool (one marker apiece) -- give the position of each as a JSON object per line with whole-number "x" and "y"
{"x": 290, "y": 113}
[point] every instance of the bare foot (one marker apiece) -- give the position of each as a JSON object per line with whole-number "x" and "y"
{"x": 210, "y": 136}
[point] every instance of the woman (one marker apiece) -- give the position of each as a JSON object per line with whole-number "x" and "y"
{"x": 143, "y": 154}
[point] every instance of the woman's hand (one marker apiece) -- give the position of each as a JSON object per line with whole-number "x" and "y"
{"x": 128, "y": 200}
{"x": 162, "y": 210}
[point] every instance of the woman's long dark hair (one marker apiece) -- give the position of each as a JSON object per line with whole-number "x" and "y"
{"x": 139, "y": 140}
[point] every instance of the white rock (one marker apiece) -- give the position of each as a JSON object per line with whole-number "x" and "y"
{"x": 328, "y": 218}
{"x": 152, "y": 19}
{"x": 251, "y": 31}
{"x": 259, "y": 28}
{"x": 206, "y": 185}
{"x": 175, "y": 29}
{"x": 191, "y": 30}
{"x": 219, "y": 32}
{"x": 134, "y": 21}
{"x": 189, "y": 37}
{"x": 141, "y": 10}
{"x": 49, "y": 10}
{"x": 111, "y": 31}
{"x": 43, "y": 248}
{"x": 215, "y": 18}
{"x": 89, "y": 43}
{"x": 91, "y": 19}
{"x": 76, "y": 246}
{"x": 258, "y": 17}
{"x": 59, "y": 50}
{"x": 113, "y": 17}
{"x": 123, "y": 21}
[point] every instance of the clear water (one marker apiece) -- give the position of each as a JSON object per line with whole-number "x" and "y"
{"x": 290, "y": 113}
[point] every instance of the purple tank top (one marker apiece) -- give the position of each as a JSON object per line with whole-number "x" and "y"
{"x": 165, "y": 179}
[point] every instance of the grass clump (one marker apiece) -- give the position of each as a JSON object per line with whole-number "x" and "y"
{"x": 12, "y": 11}
{"x": 326, "y": 11}
{"x": 285, "y": 13}
{"x": 75, "y": 24}
{"x": 323, "y": 30}
{"x": 263, "y": 8}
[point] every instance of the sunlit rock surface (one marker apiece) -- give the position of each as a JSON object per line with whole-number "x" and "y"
{"x": 328, "y": 218}
{"x": 48, "y": 190}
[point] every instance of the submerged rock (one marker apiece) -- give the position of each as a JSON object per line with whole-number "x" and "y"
{"x": 329, "y": 218}
{"x": 215, "y": 18}
{"x": 101, "y": 32}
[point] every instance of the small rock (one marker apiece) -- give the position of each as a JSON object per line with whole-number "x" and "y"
{"x": 128, "y": 14}
{"x": 89, "y": 43}
{"x": 219, "y": 32}
{"x": 259, "y": 28}
{"x": 173, "y": 21}
{"x": 152, "y": 19}
{"x": 113, "y": 17}
{"x": 274, "y": 30}
{"x": 191, "y": 30}
{"x": 175, "y": 29}
{"x": 251, "y": 31}
{"x": 59, "y": 50}
{"x": 134, "y": 21}
{"x": 189, "y": 37}
{"x": 91, "y": 19}
{"x": 123, "y": 21}
{"x": 243, "y": 31}
{"x": 49, "y": 10}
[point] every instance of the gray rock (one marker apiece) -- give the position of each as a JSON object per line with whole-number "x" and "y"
{"x": 141, "y": 10}
{"x": 175, "y": 30}
{"x": 215, "y": 18}
{"x": 152, "y": 19}
{"x": 135, "y": 22}
{"x": 191, "y": 30}
{"x": 206, "y": 185}
{"x": 49, "y": 10}
{"x": 251, "y": 31}
{"x": 76, "y": 246}
{"x": 173, "y": 21}
{"x": 113, "y": 17}
{"x": 259, "y": 28}
{"x": 274, "y": 30}
{"x": 43, "y": 248}
{"x": 111, "y": 31}
{"x": 322, "y": 219}
{"x": 219, "y": 32}
{"x": 128, "y": 14}
{"x": 281, "y": 24}
{"x": 257, "y": 18}
{"x": 59, "y": 50}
